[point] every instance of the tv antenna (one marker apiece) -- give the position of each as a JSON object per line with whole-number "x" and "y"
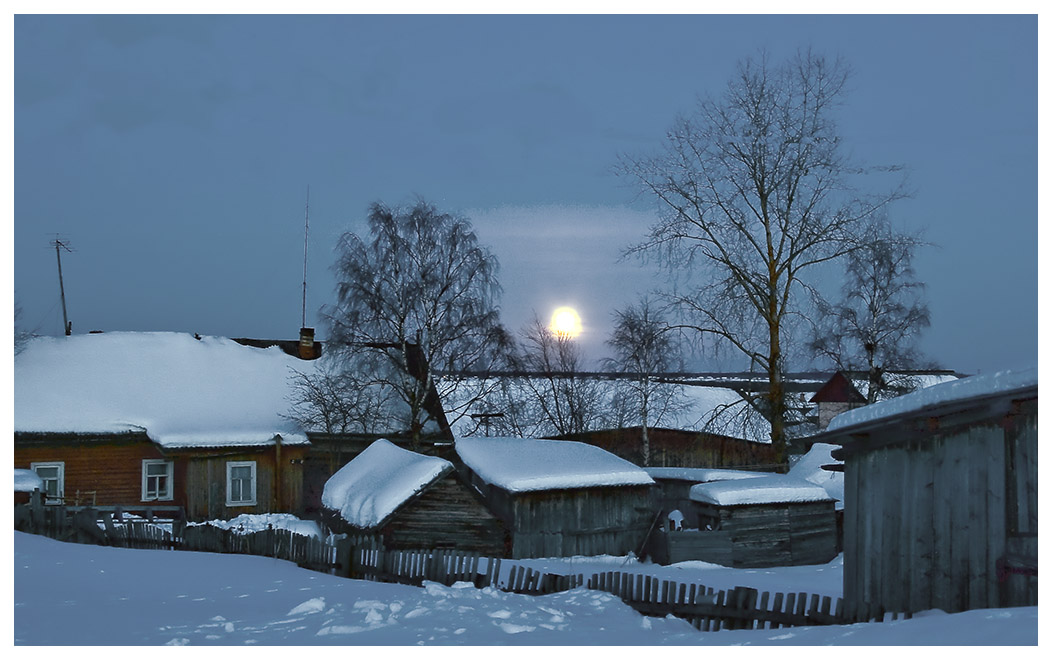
{"x": 60, "y": 245}
{"x": 306, "y": 227}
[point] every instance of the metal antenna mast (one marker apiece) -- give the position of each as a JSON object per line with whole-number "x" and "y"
{"x": 306, "y": 227}
{"x": 59, "y": 246}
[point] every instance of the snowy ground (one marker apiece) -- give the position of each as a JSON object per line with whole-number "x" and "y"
{"x": 69, "y": 594}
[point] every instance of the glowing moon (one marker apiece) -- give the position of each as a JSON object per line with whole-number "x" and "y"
{"x": 566, "y": 322}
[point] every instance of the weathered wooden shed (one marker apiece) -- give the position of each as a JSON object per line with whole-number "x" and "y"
{"x": 560, "y": 498}
{"x": 941, "y": 497}
{"x": 750, "y": 520}
{"x": 412, "y": 501}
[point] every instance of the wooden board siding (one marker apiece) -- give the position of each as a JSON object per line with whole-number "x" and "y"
{"x": 926, "y": 521}
{"x": 206, "y": 482}
{"x": 447, "y": 515}
{"x": 111, "y": 466}
{"x": 586, "y": 521}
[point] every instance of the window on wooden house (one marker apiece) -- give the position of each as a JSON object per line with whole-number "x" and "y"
{"x": 156, "y": 480}
{"x": 54, "y": 477}
{"x": 240, "y": 483}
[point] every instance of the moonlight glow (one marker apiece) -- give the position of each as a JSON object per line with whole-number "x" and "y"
{"x": 566, "y": 322}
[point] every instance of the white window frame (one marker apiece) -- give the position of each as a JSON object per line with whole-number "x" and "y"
{"x": 61, "y": 465}
{"x": 251, "y": 500}
{"x": 169, "y": 479}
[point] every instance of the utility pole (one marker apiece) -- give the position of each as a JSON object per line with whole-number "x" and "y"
{"x": 59, "y": 246}
{"x": 306, "y": 227}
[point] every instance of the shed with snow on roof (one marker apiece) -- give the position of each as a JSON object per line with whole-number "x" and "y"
{"x": 775, "y": 520}
{"x": 754, "y": 521}
{"x": 560, "y": 498}
{"x": 412, "y": 501}
{"x": 940, "y": 489}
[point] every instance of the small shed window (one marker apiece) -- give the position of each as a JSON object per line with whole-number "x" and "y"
{"x": 241, "y": 483}
{"x": 156, "y": 480}
{"x": 54, "y": 477}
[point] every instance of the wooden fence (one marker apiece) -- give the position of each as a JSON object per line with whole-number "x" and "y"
{"x": 103, "y": 526}
{"x": 364, "y": 557}
{"x": 706, "y": 608}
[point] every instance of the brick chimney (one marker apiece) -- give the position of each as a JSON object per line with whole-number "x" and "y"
{"x": 308, "y": 350}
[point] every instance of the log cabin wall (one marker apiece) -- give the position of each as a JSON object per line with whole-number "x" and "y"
{"x": 106, "y": 467}
{"x": 447, "y": 515}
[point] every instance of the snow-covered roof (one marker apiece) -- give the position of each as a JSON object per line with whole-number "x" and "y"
{"x": 527, "y": 464}
{"x": 908, "y": 380}
{"x": 972, "y": 387}
{"x": 701, "y": 475}
{"x": 809, "y": 468}
{"x": 182, "y": 391}
{"x": 377, "y": 481}
{"x": 26, "y": 481}
{"x": 770, "y": 489}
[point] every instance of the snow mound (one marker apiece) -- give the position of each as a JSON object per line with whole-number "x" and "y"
{"x": 771, "y": 489}
{"x": 956, "y": 390}
{"x": 371, "y": 487}
{"x": 528, "y": 464}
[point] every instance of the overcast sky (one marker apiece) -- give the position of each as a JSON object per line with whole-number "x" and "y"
{"x": 174, "y": 154}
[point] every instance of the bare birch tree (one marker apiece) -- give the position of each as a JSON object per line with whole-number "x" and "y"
{"x": 420, "y": 294}
{"x": 875, "y": 326}
{"x": 754, "y": 192}
{"x": 644, "y": 348}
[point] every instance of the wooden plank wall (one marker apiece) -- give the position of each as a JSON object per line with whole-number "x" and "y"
{"x": 206, "y": 485}
{"x": 926, "y": 522}
{"x": 587, "y": 521}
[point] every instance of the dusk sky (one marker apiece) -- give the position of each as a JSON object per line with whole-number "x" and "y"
{"x": 174, "y": 154}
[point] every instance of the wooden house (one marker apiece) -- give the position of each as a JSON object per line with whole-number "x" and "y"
{"x": 940, "y": 490}
{"x": 158, "y": 420}
{"x": 412, "y": 502}
{"x": 560, "y": 498}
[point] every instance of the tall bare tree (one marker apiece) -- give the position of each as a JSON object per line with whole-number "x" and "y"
{"x": 644, "y": 348}
{"x": 875, "y": 326}
{"x": 754, "y": 192}
{"x": 421, "y": 294}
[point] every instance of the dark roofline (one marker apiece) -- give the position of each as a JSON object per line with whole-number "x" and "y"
{"x": 923, "y": 422}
